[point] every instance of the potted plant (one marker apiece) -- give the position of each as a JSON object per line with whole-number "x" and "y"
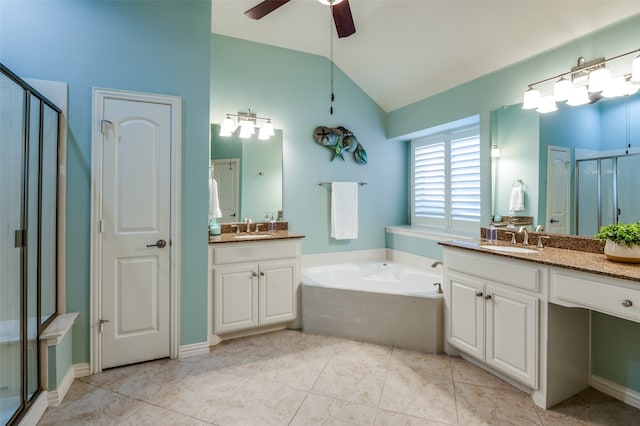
{"x": 622, "y": 241}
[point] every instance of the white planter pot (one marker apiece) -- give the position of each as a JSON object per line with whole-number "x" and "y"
{"x": 622, "y": 253}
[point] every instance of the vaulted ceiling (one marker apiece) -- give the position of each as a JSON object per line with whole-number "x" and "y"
{"x": 407, "y": 50}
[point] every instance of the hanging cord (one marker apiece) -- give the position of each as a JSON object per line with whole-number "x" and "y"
{"x": 331, "y": 58}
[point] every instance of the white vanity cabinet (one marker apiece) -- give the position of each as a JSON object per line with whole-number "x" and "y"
{"x": 253, "y": 285}
{"x": 496, "y": 322}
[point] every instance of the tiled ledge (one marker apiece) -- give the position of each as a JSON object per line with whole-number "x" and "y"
{"x": 59, "y": 327}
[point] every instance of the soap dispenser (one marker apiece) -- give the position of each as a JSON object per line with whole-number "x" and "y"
{"x": 214, "y": 227}
{"x": 492, "y": 233}
{"x": 272, "y": 224}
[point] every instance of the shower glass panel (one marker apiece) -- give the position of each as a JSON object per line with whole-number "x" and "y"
{"x": 12, "y": 110}
{"x": 33, "y": 174}
{"x": 587, "y": 202}
{"x": 607, "y": 193}
{"x": 628, "y": 184}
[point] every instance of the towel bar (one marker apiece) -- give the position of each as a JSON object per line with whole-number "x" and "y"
{"x": 329, "y": 183}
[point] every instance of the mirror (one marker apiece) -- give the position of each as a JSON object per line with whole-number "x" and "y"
{"x": 567, "y": 152}
{"x": 249, "y": 175}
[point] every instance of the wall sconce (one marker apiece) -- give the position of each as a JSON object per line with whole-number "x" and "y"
{"x": 247, "y": 121}
{"x": 590, "y": 81}
{"x": 495, "y": 151}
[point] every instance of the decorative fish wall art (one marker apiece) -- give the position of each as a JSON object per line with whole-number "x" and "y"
{"x": 340, "y": 140}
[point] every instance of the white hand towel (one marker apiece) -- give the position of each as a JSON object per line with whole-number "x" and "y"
{"x": 516, "y": 201}
{"x": 344, "y": 210}
{"x": 214, "y": 202}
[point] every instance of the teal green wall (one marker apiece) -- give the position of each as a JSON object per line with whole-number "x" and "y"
{"x": 147, "y": 46}
{"x": 292, "y": 88}
{"x": 418, "y": 246}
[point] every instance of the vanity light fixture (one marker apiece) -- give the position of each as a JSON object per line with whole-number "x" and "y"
{"x": 247, "y": 121}
{"x": 495, "y": 151}
{"x": 587, "y": 82}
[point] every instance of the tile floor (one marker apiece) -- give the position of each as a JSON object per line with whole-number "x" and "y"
{"x": 293, "y": 378}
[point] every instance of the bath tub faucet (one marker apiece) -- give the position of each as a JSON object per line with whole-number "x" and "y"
{"x": 436, "y": 263}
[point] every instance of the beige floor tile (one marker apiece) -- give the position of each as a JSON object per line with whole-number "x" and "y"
{"x": 479, "y": 405}
{"x": 321, "y": 410}
{"x": 349, "y": 379}
{"x": 466, "y": 372}
{"x": 150, "y": 415}
{"x": 388, "y": 418}
{"x": 364, "y": 353}
{"x": 259, "y": 403}
{"x": 299, "y": 369}
{"x": 408, "y": 393}
{"x": 591, "y": 407}
{"x": 428, "y": 366}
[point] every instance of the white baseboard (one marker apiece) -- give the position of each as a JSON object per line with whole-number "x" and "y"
{"x": 33, "y": 416}
{"x": 81, "y": 370}
{"x": 194, "y": 349}
{"x": 57, "y": 395}
{"x": 626, "y": 395}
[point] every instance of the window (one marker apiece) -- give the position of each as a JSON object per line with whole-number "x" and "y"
{"x": 446, "y": 179}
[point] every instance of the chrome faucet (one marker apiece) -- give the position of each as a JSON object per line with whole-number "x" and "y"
{"x": 436, "y": 263}
{"x": 237, "y": 228}
{"x": 248, "y": 222}
{"x": 540, "y": 238}
{"x": 513, "y": 237}
{"x": 525, "y": 239}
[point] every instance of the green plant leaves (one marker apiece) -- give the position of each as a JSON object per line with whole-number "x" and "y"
{"x": 624, "y": 234}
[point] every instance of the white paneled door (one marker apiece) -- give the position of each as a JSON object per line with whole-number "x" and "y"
{"x": 558, "y": 189}
{"x": 135, "y": 229}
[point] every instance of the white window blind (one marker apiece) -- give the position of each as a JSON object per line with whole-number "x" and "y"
{"x": 446, "y": 179}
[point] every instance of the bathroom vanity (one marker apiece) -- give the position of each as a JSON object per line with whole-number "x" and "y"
{"x": 525, "y": 315}
{"x": 254, "y": 283}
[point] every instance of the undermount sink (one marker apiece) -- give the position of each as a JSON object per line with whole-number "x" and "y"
{"x": 510, "y": 249}
{"x": 250, "y": 236}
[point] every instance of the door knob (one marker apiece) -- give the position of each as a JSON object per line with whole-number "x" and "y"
{"x": 159, "y": 244}
{"x": 627, "y": 303}
{"x": 554, "y": 221}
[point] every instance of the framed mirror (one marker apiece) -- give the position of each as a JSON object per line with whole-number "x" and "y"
{"x": 249, "y": 175}
{"x": 565, "y": 160}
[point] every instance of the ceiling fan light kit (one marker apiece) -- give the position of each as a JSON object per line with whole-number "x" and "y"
{"x": 589, "y": 82}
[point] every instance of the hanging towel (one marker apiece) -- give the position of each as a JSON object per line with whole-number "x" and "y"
{"x": 214, "y": 202}
{"x": 344, "y": 210}
{"x": 516, "y": 201}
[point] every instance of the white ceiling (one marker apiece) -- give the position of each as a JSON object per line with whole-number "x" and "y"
{"x": 407, "y": 50}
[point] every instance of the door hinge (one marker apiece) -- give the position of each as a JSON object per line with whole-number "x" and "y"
{"x": 101, "y": 324}
{"x": 103, "y": 124}
{"x": 20, "y": 238}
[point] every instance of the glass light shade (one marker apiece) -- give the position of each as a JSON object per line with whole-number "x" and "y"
{"x": 263, "y": 134}
{"x": 561, "y": 89}
{"x": 227, "y": 127}
{"x": 246, "y": 129}
{"x": 615, "y": 87}
{"x": 330, "y": 2}
{"x": 635, "y": 70}
{"x": 495, "y": 151}
{"x": 578, "y": 96}
{"x": 598, "y": 79}
{"x": 531, "y": 99}
{"x": 631, "y": 88}
{"x": 268, "y": 128}
{"x": 547, "y": 104}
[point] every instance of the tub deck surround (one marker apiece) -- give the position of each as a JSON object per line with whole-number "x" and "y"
{"x": 577, "y": 259}
{"x": 384, "y": 303}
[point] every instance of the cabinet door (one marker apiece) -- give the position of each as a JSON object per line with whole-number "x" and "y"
{"x": 278, "y": 291}
{"x": 235, "y": 298}
{"x": 466, "y": 314}
{"x": 512, "y": 334}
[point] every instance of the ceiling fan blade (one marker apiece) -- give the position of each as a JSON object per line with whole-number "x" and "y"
{"x": 343, "y": 19}
{"x": 262, "y": 9}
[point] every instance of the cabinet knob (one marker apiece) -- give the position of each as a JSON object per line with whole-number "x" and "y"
{"x": 487, "y": 297}
{"x": 627, "y": 303}
{"x": 254, "y": 273}
{"x": 479, "y": 293}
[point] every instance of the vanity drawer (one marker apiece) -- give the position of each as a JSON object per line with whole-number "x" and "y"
{"x": 254, "y": 251}
{"x": 604, "y": 294}
{"x": 517, "y": 274}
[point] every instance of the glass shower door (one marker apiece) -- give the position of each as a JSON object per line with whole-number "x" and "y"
{"x": 628, "y": 184}
{"x": 12, "y": 152}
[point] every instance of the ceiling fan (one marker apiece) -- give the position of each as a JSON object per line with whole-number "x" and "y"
{"x": 339, "y": 9}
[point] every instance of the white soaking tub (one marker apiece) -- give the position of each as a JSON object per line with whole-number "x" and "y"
{"x": 385, "y": 303}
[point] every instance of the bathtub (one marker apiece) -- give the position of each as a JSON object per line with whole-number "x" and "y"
{"x": 385, "y": 303}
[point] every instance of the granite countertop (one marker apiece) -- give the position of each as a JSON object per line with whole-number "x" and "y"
{"x": 229, "y": 237}
{"x": 595, "y": 263}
